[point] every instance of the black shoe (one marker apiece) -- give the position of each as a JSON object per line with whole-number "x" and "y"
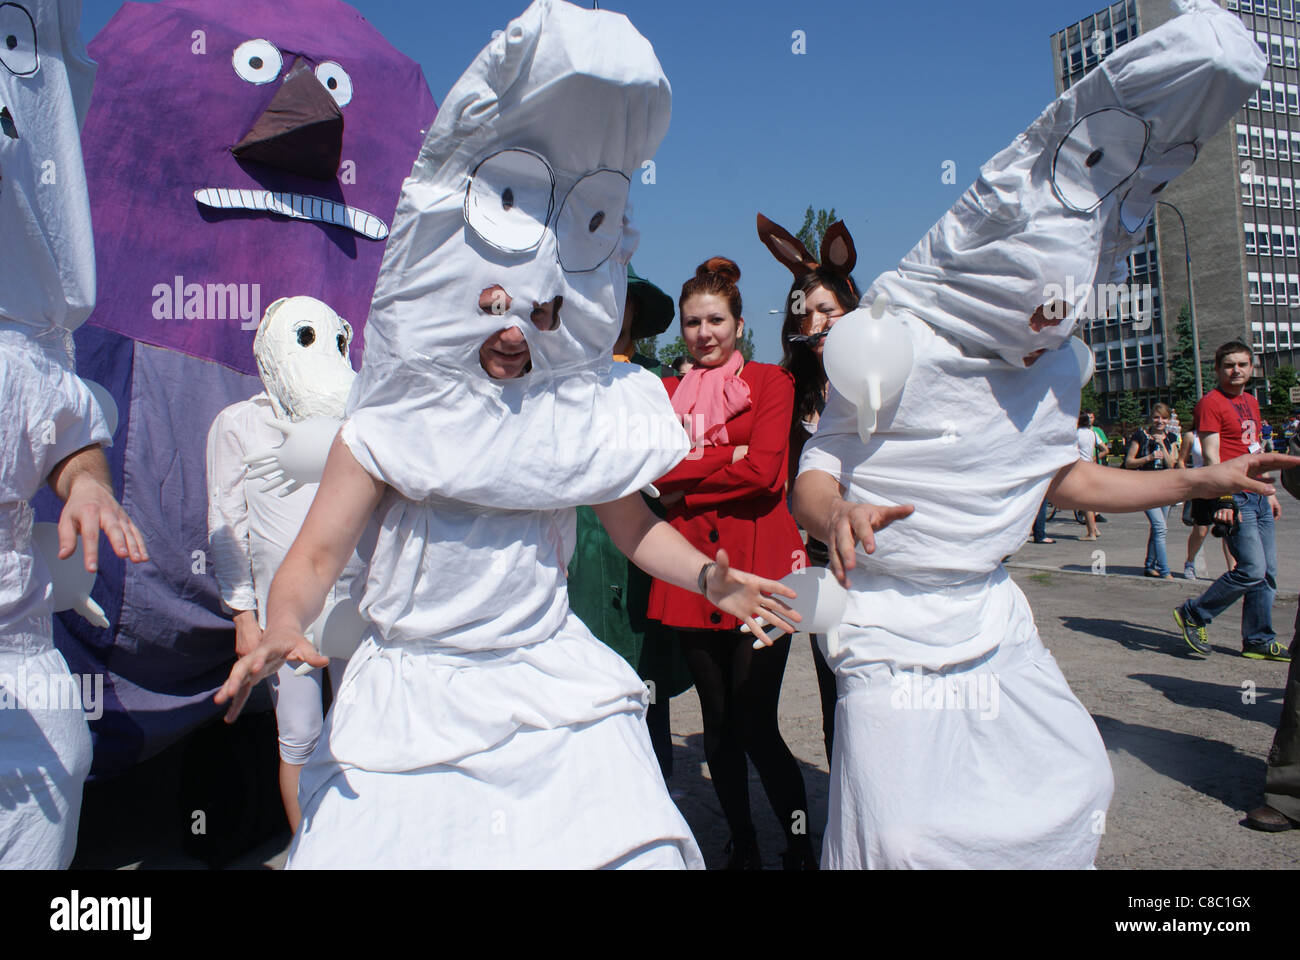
{"x": 1269, "y": 820}
{"x": 743, "y": 854}
{"x": 1099, "y": 518}
{"x": 798, "y": 860}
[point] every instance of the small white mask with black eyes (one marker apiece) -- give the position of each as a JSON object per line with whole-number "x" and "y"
{"x": 302, "y": 349}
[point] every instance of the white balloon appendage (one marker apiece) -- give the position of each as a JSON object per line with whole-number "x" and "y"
{"x": 1083, "y": 354}
{"x": 300, "y": 460}
{"x": 337, "y": 632}
{"x": 72, "y": 581}
{"x": 868, "y": 357}
{"x": 820, "y": 603}
{"x": 106, "y": 403}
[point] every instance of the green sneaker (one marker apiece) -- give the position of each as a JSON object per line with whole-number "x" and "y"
{"x": 1197, "y": 638}
{"x": 1272, "y": 651}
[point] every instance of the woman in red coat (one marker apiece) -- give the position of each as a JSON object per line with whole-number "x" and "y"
{"x": 730, "y": 493}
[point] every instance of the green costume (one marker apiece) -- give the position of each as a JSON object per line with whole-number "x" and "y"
{"x": 610, "y": 594}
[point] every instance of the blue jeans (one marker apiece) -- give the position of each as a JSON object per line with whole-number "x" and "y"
{"x": 1254, "y": 577}
{"x": 1040, "y": 522}
{"x": 1156, "y": 559}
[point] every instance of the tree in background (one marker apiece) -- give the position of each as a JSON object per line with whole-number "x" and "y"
{"x": 815, "y": 225}
{"x": 1182, "y": 369}
{"x": 677, "y": 348}
{"x": 1088, "y": 400}
{"x": 1130, "y": 412}
{"x": 1279, "y": 387}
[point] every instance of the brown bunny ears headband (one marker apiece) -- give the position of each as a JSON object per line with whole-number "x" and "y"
{"x": 838, "y": 254}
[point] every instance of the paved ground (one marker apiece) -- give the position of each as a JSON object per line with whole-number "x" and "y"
{"x": 1187, "y": 737}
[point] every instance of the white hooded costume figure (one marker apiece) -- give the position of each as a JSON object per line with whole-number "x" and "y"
{"x": 958, "y": 741}
{"x": 47, "y": 288}
{"x": 480, "y": 724}
{"x": 302, "y": 355}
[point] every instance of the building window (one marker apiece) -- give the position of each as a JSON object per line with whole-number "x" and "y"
{"x": 1250, "y": 237}
{"x": 1286, "y": 194}
{"x": 1270, "y": 144}
{"x": 1283, "y": 145}
{"x": 1253, "y": 280}
{"x": 1276, "y": 45}
{"x": 1232, "y": 4}
{"x": 1266, "y": 96}
{"x": 1247, "y": 192}
{"x": 1256, "y": 141}
{"x": 1243, "y": 143}
{"x": 1266, "y": 289}
{"x": 1286, "y": 8}
{"x": 1290, "y": 242}
{"x": 1273, "y": 9}
{"x": 1293, "y": 289}
{"x": 1273, "y": 200}
{"x": 1277, "y": 241}
{"x": 1270, "y": 337}
{"x": 1260, "y": 199}
{"x": 1257, "y": 335}
{"x": 1292, "y": 99}
{"x": 1288, "y": 45}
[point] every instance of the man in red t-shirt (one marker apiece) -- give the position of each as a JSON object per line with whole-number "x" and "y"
{"x": 1227, "y": 421}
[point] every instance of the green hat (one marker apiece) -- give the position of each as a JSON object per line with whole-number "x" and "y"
{"x": 654, "y": 308}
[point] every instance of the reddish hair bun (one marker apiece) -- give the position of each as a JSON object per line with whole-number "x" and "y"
{"x": 716, "y": 276}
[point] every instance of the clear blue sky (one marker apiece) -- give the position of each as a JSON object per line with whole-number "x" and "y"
{"x": 862, "y": 122}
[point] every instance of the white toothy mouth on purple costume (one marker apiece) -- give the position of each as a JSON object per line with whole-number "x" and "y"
{"x": 298, "y": 206}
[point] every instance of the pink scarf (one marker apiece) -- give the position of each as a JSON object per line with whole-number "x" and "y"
{"x": 708, "y": 397}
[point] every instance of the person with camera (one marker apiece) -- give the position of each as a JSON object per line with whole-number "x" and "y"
{"x": 1227, "y": 421}
{"x": 1151, "y": 449}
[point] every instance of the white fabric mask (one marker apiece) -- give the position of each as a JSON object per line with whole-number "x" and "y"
{"x": 521, "y": 185}
{"x": 48, "y": 280}
{"x": 302, "y": 354}
{"x": 1050, "y": 216}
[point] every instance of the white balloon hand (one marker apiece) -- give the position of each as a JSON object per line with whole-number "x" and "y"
{"x": 72, "y": 581}
{"x": 298, "y": 461}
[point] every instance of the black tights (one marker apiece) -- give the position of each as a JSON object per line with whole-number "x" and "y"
{"x": 739, "y": 688}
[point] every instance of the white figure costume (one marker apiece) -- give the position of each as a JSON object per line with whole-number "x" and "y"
{"x": 481, "y": 724}
{"x": 958, "y": 741}
{"x": 47, "y": 289}
{"x": 301, "y": 348}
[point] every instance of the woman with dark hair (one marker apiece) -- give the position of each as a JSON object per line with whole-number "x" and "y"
{"x": 822, "y": 292}
{"x": 729, "y": 493}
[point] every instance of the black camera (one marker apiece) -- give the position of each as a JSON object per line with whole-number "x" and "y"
{"x": 1221, "y": 529}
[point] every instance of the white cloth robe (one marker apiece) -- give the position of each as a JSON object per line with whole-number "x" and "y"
{"x": 958, "y": 743}
{"x": 45, "y": 749}
{"x": 481, "y": 725}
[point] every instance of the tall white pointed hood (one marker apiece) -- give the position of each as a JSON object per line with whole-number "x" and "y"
{"x": 521, "y": 187}
{"x": 47, "y": 281}
{"x": 1066, "y": 201}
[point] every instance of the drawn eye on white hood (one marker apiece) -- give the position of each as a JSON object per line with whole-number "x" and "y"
{"x": 1154, "y": 176}
{"x": 18, "y": 40}
{"x": 1099, "y": 154}
{"x": 509, "y": 200}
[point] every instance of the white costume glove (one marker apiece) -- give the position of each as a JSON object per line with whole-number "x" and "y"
{"x": 298, "y": 461}
{"x": 72, "y": 581}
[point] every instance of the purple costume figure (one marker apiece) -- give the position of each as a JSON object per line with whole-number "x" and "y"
{"x": 236, "y": 152}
